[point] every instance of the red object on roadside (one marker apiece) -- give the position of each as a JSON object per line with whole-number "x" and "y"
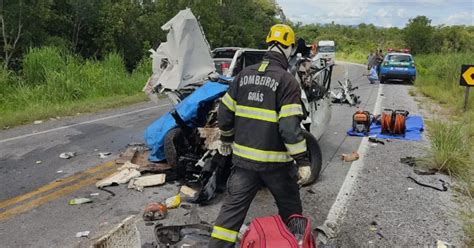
{"x": 271, "y": 231}
{"x": 155, "y": 211}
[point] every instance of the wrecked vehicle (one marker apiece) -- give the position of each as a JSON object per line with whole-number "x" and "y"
{"x": 187, "y": 137}
{"x": 345, "y": 93}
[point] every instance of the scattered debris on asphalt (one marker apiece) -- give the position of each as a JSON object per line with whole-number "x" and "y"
{"x": 173, "y": 202}
{"x": 139, "y": 158}
{"x": 380, "y": 235}
{"x": 104, "y": 154}
{"x": 82, "y": 234}
{"x": 155, "y": 211}
{"x": 187, "y": 191}
{"x": 186, "y": 206}
{"x": 409, "y": 188}
{"x": 128, "y": 165}
{"x": 126, "y": 156}
{"x": 125, "y": 234}
{"x": 39, "y": 162}
{"x": 442, "y": 244}
{"x": 311, "y": 191}
{"x": 59, "y": 171}
{"x": 350, "y": 157}
{"x": 411, "y": 161}
{"x": 154, "y": 167}
{"x": 146, "y": 181}
{"x": 120, "y": 177}
{"x": 79, "y": 201}
{"x": 67, "y": 155}
{"x": 139, "y": 144}
{"x": 37, "y": 122}
{"x": 443, "y": 184}
{"x": 345, "y": 93}
{"x": 425, "y": 172}
{"x": 94, "y": 194}
{"x": 108, "y": 191}
{"x": 191, "y": 235}
{"x": 375, "y": 140}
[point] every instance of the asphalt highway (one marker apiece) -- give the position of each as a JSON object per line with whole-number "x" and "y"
{"x": 36, "y": 184}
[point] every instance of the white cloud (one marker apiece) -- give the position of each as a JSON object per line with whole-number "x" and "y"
{"x": 460, "y": 18}
{"x": 324, "y": 11}
{"x": 378, "y": 12}
{"x": 382, "y": 13}
{"x": 402, "y": 13}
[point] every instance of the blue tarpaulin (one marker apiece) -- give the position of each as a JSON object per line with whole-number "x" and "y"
{"x": 414, "y": 128}
{"x": 187, "y": 110}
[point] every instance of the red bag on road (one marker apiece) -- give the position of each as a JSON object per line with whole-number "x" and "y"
{"x": 272, "y": 232}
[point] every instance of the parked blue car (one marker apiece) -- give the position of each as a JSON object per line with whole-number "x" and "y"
{"x": 398, "y": 66}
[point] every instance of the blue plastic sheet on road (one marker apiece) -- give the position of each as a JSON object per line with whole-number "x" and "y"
{"x": 414, "y": 125}
{"x": 187, "y": 110}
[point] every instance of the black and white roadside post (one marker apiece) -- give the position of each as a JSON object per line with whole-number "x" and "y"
{"x": 467, "y": 80}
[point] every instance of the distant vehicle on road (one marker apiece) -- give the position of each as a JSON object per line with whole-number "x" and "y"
{"x": 398, "y": 66}
{"x": 326, "y": 49}
{"x": 229, "y": 61}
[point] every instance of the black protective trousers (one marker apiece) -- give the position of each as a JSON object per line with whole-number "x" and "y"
{"x": 242, "y": 187}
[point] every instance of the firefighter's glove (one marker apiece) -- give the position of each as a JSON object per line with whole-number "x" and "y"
{"x": 304, "y": 168}
{"x": 225, "y": 148}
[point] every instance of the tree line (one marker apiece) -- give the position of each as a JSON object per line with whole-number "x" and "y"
{"x": 419, "y": 35}
{"x": 93, "y": 29}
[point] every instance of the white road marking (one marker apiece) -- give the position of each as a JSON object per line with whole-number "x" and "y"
{"x": 338, "y": 210}
{"x": 81, "y": 123}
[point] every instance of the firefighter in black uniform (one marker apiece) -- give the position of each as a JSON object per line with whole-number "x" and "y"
{"x": 259, "y": 119}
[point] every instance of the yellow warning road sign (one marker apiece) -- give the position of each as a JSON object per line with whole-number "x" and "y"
{"x": 467, "y": 75}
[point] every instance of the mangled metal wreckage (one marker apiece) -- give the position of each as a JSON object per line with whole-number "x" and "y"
{"x": 187, "y": 137}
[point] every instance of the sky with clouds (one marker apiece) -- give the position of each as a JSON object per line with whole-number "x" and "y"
{"x": 384, "y": 13}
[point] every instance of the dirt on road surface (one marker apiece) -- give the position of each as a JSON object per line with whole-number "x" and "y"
{"x": 370, "y": 201}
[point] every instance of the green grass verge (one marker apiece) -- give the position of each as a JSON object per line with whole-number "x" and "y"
{"x": 56, "y": 83}
{"x": 13, "y": 118}
{"x": 452, "y": 141}
{"x": 355, "y": 57}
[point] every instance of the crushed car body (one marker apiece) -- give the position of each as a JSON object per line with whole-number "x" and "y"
{"x": 186, "y": 136}
{"x": 182, "y": 60}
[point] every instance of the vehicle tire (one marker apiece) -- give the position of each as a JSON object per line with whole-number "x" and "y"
{"x": 174, "y": 143}
{"x": 382, "y": 81}
{"x": 315, "y": 156}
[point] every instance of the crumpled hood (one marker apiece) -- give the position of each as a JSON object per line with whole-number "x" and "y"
{"x": 185, "y": 57}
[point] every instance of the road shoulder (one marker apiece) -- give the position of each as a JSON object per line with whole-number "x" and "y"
{"x": 386, "y": 209}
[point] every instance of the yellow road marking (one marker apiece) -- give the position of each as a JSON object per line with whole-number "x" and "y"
{"x": 52, "y": 196}
{"x": 55, "y": 184}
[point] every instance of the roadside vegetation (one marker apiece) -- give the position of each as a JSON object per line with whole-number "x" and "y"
{"x": 66, "y": 57}
{"x": 56, "y": 83}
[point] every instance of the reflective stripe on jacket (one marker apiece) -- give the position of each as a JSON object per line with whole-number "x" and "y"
{"x": 261, "y": 114}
